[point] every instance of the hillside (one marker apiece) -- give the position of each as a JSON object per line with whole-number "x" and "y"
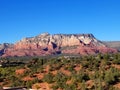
{"x": 100, "y": 72}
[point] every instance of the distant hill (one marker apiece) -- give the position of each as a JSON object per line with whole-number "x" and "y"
{"x": 113, "y": 44}
{"x": 4, "y": 46}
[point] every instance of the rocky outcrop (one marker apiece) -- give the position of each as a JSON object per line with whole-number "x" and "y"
{"x": 46, "y": 44}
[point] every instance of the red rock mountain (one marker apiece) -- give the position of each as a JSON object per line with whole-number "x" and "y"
{"x": 46, "y": 44}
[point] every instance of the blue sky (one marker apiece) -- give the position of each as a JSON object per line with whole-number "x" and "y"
{"x": 26, "y": 18}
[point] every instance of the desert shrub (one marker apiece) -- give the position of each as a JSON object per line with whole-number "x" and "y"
{"x": 116, "y": 61}
{"x": 29, "y": 84}
{"x": 85, "y": 64}
{"x": 61, "y": 85}
{"x": 1, "y": 79}
{"x": 55, "y": 87}
{"x": 48, "y": 78}
{"x": 16, "y": 83}
{"x": 70, "y": 87}
{"x": 60, "y": 77}
{"x": 80, "y": 77}
{"x": 111, "y": 76}
{"x": 71, "y": 68}
{"x": 83, "y": 86}
{"x": 56, "y": 66}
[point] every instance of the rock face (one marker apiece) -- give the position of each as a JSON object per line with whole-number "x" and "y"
{"x": 46, "y": 44}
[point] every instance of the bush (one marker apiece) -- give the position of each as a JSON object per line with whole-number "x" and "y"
{"x": 48, "y": 78}
{"x": 111, "y": 76}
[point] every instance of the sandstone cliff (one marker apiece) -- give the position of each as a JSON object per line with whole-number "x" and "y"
{"x": 46, "y": 44}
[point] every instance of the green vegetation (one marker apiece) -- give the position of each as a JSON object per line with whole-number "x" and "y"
{"x": 99, "y": 72}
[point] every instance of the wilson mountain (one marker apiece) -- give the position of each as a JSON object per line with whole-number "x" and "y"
{"x": 46, "y": 44}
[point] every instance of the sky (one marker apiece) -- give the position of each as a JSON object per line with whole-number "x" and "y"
{"x": 27, "y": 18}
